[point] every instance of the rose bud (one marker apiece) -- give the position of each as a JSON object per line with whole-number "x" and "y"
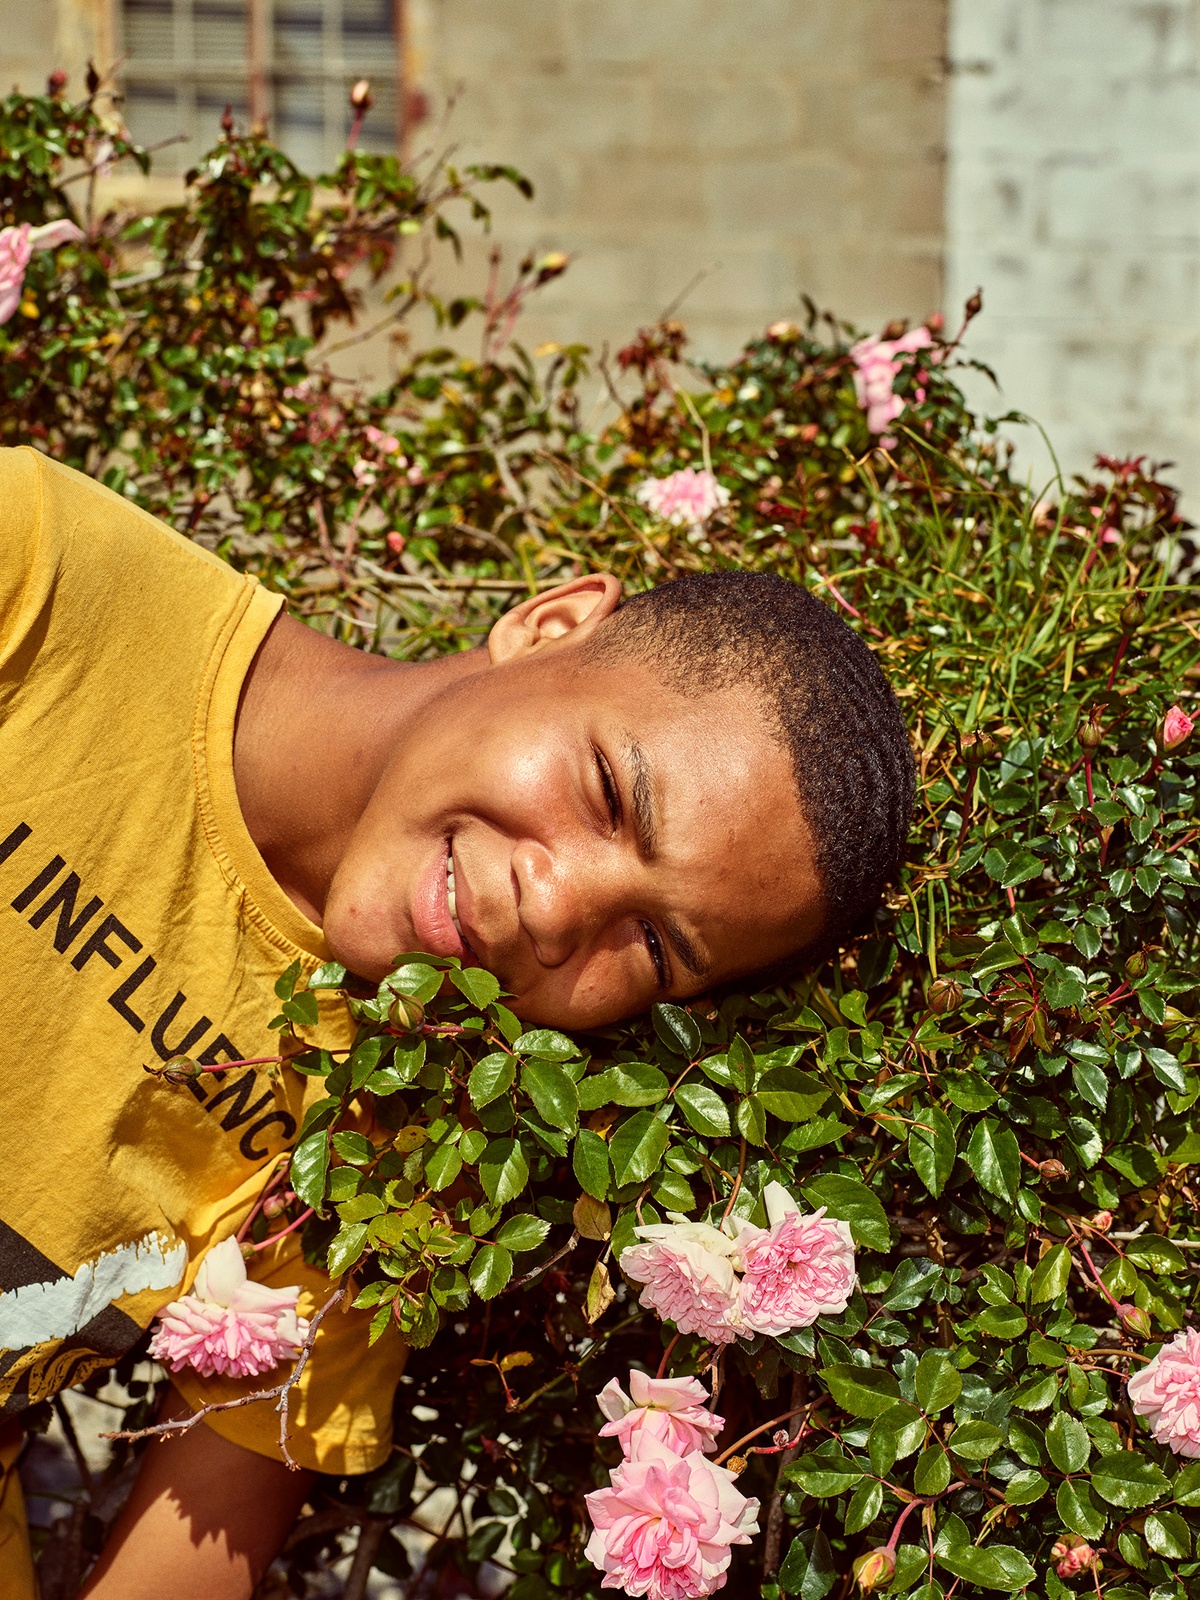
{"x": 551, "y": 265}
{"x": 1134, "y": 1320}
{"x": 406, "y": 1014}
{"x": 248, "y": 1250}
{"x": 360, "y": 96}
{"x": 56, "y": 83}
{"x": 876, "y": 1568}
{"x": 1134, "y": 613}
{"x": 944, "y": 995}
{"x": 1091, "y": 735}
{"x": 274, "y": 1204}
{"x": 1102, "y": 1221}
{"x": 978, "y": 748}
{"x": 974, "y": 305}
{"x": 1175, "y": 731}
{"x": 1136, "y": 966}
{"x": 182, "y": 1069}
{"x": 737, "y": 1465}
{"x": 783, "y": 332}
{"x": 1052, "y": 1170}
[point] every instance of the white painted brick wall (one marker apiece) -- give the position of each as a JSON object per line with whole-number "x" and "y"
{"x": 1073, "y": 198}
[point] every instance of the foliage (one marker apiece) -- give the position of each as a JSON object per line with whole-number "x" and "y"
{"x": 997, "y": 1087}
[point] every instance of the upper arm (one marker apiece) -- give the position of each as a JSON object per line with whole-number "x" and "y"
{"x": 204, "y": 1521}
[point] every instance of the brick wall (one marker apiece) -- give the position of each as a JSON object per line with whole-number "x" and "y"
{"x": 784, "y": 145}
{"x": 1074, "y": 199}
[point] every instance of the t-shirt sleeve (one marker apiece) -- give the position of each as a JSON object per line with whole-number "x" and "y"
{"x": 340, "y": 1412}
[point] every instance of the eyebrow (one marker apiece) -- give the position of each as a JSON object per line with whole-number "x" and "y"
{"x": 645, "y": 823}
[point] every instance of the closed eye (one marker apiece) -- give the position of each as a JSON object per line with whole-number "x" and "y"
{"x": 612, "y": 795}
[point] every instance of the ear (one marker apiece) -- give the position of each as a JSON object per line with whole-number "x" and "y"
{"x": 565, "y": 615}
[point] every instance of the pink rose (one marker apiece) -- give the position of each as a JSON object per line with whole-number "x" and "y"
{"x": 798, "y": 1269}
{"x": 1167, "y": 1393}
{"x": 876, "y": 369}
{"x": 671, "y": 1410}
{"x": 227, "y": 1324}
{"x": 1176, "y": 729}
{"x": 16, "y": 246}
{"x": 1073, "y": 1555}
{"x": 689, "y": 1277}
{"x": 665, "y": 1526}
{"x": 686, "y": 498}
{"x": 387, "y": 442}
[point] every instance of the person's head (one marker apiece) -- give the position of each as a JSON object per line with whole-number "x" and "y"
{"x": 635, "y": 800}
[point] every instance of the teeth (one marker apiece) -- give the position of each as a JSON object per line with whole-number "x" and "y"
{"x": 450, "y": 899}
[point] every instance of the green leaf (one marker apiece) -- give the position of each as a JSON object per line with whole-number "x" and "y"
{"x": 1068, "y": 1442}
{"x": 931, "y": 1148}
{"x": 1168, "y": 1535}
{"x": 490, "y": 1078}
{"x": 823, "y": 1476}
{"x": 625, "y": 1083}
{"x": 809, "y": 1570}
{"x": 503, "y": 1171}
{"x": 364, "y": 1059}
{"x": 704, "y": 1109}
{"x": 995, "y": 1566}
{"x": 1023, "y": 1488}
{"x": 975, "y": 1441}
{"x": 853, "y": 1005}
{"x": 1051, "y": 1275}
{"x": 302, "y": 1010}
{"x": 589, "y": 1161}
{"x": 353, "y": 1148}
{"x": 932, "y": 1471}
{"x": 415, "y": 979}
{"x": 1076, "y": 1505}
{"x": 896, "y": 1433}
{"x": 637, "y": 1147}
{"x": 791, "y": 1095}
{"x": 548, "y": 1044}
{"x": 751, "y": 1120}
{"x": 851, "y": 1201}
{"x": 939, "y": 1384}
{"x": 285, "y": 984}
{"x": 310, "y": 1167}
{"x": 443, "y": 1166}
{"x": 1155, "y": 1254}
{"x": 1003, "y": 1322}
{"x": 479, "y": 986}
{"x": 865, "y": 1505}
{"x": 329, "y": 975}
{"x": 677, "y": 1029}
{"x": 739, "y": 1059}
{"x": 490, "y": 1270}
{"x": 862, "y": 1391}
{"x": 994, "y": 1156}
{"x": 1186, "y": 1488}
{"x": 553, "y": 1092}
{"x": 346, "y": 1248}
{"x": 523, "y": 1232}
{"x": 1129, "y": 1480}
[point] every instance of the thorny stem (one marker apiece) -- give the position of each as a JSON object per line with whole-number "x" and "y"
{"x": 281, "y": 1165}
{"x": 1100, "y": 1284}
{"x": 274, "y": 1238}
{"x": 919, "y": 1500}
{"x": 1087, "y": 778}
{"x": 762, "y": 1428}
{"x": 546, "y": 1265}
{"x": 737, "y": 1184}
{"x": 662, "y": 1365}
{"x": 1121, "y": 649}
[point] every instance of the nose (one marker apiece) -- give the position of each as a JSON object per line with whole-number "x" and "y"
{"x": 566, "y": 898}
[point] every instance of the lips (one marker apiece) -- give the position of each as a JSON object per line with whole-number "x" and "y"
{"x": 433, "y": 916}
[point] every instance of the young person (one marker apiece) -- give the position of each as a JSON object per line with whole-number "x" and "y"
{"x": 610, "y": 804}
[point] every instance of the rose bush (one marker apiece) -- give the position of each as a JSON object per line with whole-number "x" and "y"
{"x": 981, "y": 1115}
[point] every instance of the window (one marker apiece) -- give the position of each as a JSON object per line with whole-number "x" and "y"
{"x": 290, "y": 61}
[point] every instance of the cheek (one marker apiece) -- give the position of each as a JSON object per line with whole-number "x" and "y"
{"x": 604, "y": 987}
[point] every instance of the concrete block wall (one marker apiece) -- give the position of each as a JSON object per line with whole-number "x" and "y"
{"x": 1073, "y": 198}
{"x": 777, "y": 146}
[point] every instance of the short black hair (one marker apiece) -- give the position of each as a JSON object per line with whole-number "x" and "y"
{"x": 825, "y": 699}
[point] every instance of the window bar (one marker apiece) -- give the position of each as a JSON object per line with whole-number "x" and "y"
{"x": 185, "y": 56}
{"x": 259, "y": 75}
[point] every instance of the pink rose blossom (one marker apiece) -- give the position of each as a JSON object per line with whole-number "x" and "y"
{"x": 689, "y": 1277}
{"x": 227, "y": 1324}
{"x": 671, "y": 1410}
{"x": 876, "y": 369}
{"x": 1167, "y": 1393}
{"x": 798, "y": 1269}
{"x": 1073, "y": 1555}
{"x": 387, "y": 442}
{"x": 1176, "y": 728}
{"x": 17, "y": 246}
{"x": 665, "y": 1526}
{"x": 686, "y": 498}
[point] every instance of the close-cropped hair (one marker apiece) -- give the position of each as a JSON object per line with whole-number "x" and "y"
{"x": 825, "y": 701}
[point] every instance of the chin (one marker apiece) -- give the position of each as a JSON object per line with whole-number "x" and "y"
{"x": 359, "y": 949}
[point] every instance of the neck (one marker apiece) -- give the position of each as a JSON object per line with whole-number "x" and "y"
{"x": 317, "y": 724}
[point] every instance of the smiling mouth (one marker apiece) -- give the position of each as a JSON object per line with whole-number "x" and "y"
{"x": 451, "y": 899}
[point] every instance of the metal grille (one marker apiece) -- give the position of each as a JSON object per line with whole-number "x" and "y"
{"x": 290, "y": 61}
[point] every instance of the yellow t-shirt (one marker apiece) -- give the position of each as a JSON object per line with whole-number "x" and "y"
{"x": 138, "y": 921}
